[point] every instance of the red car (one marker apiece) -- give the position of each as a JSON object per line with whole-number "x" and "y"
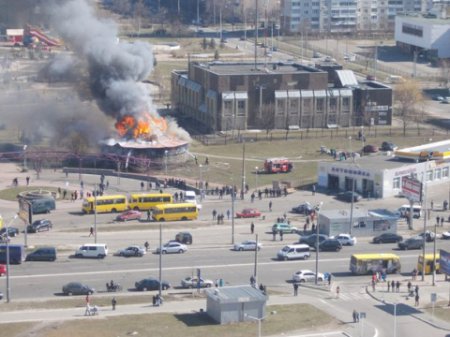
{"x": 370, "y": 149}
{"x": 248, "y": 213}
{"x": 2, "y": 269}
{"x": 129, "y": 215}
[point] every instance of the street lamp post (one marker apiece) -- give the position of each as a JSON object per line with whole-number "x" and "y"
{"x": 160, "y": 261}
{"x": 25, "y": 157}
{"x": 395, "y": 319}
{"x": 233, "y": 196}
{"x": 95, "y": 214}
{"x": 8, "y": 285}
{"x": 259, "y": 320}
{"x": 424, "y": 184}
{"x": 255, "y": 269}
{"x": 256, "y": 177}
{"x": 200, "y": 183}
{"x": 317, "y": 208}
{"x": 165, "y": 161}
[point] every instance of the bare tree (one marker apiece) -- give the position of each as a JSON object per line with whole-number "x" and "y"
{"x": 267, "y": 118}
{"x": 407, "y": 97}
{"x": 445, "y": 73}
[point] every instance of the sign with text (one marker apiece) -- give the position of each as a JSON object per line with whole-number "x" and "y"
{"x": 444, "y": 262}
{"x": 412, "y": 189}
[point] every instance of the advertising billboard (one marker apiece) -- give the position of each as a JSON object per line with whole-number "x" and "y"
{"x": 412, "y": 189}
{"x": 444, "y": 262}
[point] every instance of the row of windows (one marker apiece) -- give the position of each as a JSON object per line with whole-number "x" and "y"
{"x": 185, "y": 209}
{"x": 320, "y": 104}
{"x": 430, "y": 175}
{"x": 153, "y": 199}
{"x": 111, "y": 201}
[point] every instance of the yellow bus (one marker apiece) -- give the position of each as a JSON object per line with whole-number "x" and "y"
{"x": 173, "y": 212}
{"x": 105, "y": 204}
{"x": 428, "y": 263}
{"x": 145, "y": 201}
{"x": 362, "y": 264}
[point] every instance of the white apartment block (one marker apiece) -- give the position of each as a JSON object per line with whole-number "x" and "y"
{"x": 344, "y": 16}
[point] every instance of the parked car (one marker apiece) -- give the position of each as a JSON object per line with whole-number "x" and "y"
{"x": 438, "y": 98}
{"x": 388, "y": 146}
{"x": 42, "y": 254}
{"x": 131, "y": 251}
{"x": 193, "y": 282}
{"x": 345, "y": 239}
{"x": 387, "y": 238}
{"x": 415, "y": 242}
{"x": 310, "y": 240}
{"x": 370, "y": 149}
{"x": 347, "y": 196}
{"x": 172, "y": 247}
{"x": 129, "y": 215}
{"x": 94, "y": 250}
{"x": 446, "y": 235}
{"x": 2, "y": 269}
{"x": 247, "y": 245}
{"x": 305, "y": 208}
{"x": 284, "y": 227}
{"x": 151, "y": 284}
{"x": 248, "y": 213}
{"x": 12, "y": 231}
{"x": 330, "y": 245}
{"x": 306, "y": 275}
{"x": 77, "y": 288}
{"x": 184, "y": 237}
{"x": 1, "y": 295}
{"x": 429, "y": 236}
{"x": 39, "y": 226}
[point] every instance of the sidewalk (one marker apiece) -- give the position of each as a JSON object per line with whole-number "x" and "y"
{"x": 405, "y": 304}
{"x": 175, "y": 306}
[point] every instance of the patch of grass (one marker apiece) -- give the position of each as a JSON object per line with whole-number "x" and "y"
{"x": 11, "y": 193}
{"x": 16, "y": 329}
{"x": 288, "y": 318}
{"x": 441, "y": 311}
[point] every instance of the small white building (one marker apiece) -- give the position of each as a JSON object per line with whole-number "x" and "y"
{"x": 380, "y": 175}
{"x": 235, "y": 304}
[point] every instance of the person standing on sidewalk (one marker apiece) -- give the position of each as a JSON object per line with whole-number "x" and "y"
{"x": 355, "y": 316}
{"x": 270, "y": 205}
{"x": 338, "y": 290}
{"x": 295, "y": 288}
{"x": 393, "y": 285}
{"x": 252, "y": 228}
{"x": 113, "y": 303}
{"x": 417, "y": 300}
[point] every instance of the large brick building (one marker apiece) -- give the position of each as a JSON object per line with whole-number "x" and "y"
{"x": 224, "y": 96}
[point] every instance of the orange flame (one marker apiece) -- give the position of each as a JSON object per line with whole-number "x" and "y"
{"x": 140, "y": 128}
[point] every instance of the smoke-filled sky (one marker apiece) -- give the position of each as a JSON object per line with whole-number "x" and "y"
{"x": 111, "y": 69}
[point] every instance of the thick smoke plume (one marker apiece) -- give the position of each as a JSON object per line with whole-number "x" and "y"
{"x": 115, "y": 68}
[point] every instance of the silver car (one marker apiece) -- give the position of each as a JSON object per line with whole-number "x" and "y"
{"x": 247, "y": 245}
{"x": 172, "y": 247}
{"x": 131, "y": 251}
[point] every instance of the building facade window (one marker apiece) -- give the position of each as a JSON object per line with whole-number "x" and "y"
{"x": 445, "y": 172}
{"x": 228, "y": 108}
{"x": 429, "y": 175}
{"x": 396, "y": 183}
{"x": 320, "y": 105}
{"x": 437, "y": 173}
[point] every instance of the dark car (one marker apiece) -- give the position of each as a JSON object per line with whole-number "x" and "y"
{"x": 39, "y": 225}
{"x": 429, "y": 236}
{"x": 387, "y": 238}
{"x": 12, "y": 232}
{"x": 411, "y": 243}
{"x": 310, "y": 240}
{"x": 42, "y": 254}
{"x": 150, "y": 284}
{"x": 330, "y": 245}
{"x": 347, "y": 196}
{"x": 306, "y": 208}
{"x": 388, "y": 146}
{"x": 77, "y": 288}
{"x": 370, "y": 149}
{"x": 184, "y": 237}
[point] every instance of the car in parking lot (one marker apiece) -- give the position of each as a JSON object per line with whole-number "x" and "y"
{"x": 131, "y": 251}
{"x": 311, "y": 240}
{"x": 2, "y": 269}
{"x": 387, "y": 238}
{"x": 415, "y": 242}
{"x": 39, "y": 226}
{"x": 438, "y": 98}
{"x": 370, "y": 149}
{"x": 348, "y": 195}
{"x": 150, "y": 284}
{"x": 305, "y": 208}
{"x": 388, "y": 146}
{"x": 330, "y": 245}
{"x": 247, "y": 245}
{"x": 184, "y": 237}
{"x": 12, "y": 231}
{"x": 306, "y": 275}
{"x": 129, "y": 215}
{"x": 77, "y": 288}
{"x": 345, "y": 239}
{"x": 195, "y": 282}
{"x": 248, "y": 213}
{"x": 284, "y": 227}
{"x": 172, "y": 247}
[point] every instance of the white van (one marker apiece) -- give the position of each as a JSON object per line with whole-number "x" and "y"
{"x": 96, "y": 250}
{"x": 191, "y": 197}
{"x": 405, "y": 209}
{"x": 297, "y": 251}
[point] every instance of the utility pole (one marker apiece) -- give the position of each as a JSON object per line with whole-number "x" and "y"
{"x": 243, "y": 168}
{"x": 256, "y": 35}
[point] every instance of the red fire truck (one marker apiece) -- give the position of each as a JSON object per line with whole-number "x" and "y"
{"x": 277, "y": 165}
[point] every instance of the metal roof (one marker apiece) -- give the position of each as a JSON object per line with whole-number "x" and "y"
{"x": 234, "y": 294}
{"x": 347, "y": 78}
